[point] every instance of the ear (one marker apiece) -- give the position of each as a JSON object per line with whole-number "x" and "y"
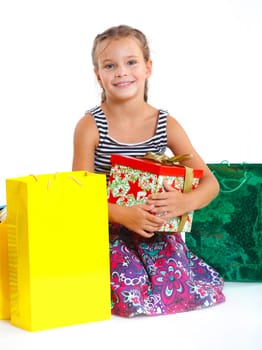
{"x": 148, "y": 68}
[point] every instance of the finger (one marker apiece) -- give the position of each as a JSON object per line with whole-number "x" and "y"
{"x": 151, "y": 209}
{"x": 162, "y": 214}
{"x": 155, "y": 221}
{"x": 146, "y": 234}
{"x": 159, "y": 195}
{"x": 159, "y": 206}
{"x": 159, "y": 209}
{"x": 151, "y": 229}
{"x": 147, "y": 206}
{"x": 168, "y": 187}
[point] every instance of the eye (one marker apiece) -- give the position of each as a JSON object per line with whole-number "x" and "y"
{"x": 109, "y": 66}
{"x": 131, "y": 62}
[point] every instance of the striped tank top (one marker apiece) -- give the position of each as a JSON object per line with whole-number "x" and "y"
{"x": 107, "y": 145}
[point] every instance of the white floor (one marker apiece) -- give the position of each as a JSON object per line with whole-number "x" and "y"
{"x": 235, "y": 324}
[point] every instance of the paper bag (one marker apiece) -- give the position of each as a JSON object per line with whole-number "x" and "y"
{"x": 4, "y": 282}
{"x": 227, "y": 233}
{"x": 58, "y": 249}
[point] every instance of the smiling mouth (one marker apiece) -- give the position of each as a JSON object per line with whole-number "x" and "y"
{"x": 123, "y": 83}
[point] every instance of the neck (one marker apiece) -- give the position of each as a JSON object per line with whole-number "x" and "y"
{"x": 126, "y": 108}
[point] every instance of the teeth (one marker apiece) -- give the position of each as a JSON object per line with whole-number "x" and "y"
{"x": 123, "y": 83}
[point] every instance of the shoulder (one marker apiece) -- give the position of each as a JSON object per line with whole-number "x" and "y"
{"x": 177, "y": 137}
{"x": 85, "y": 123}
{"x": 86, "y": 128}
{"x": 173, "y": 123}
{"x": 171, "y": 120}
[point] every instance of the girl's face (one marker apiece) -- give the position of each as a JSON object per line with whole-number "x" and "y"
{"x": 121, "y": 68}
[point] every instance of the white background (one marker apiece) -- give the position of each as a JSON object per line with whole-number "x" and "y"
{"x": 207, "y": 72}
{"x": 235, "y": 324}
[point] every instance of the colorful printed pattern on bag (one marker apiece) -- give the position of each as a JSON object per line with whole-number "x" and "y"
{"x": 128, "y": 186}
{"x": 158, "y": 276}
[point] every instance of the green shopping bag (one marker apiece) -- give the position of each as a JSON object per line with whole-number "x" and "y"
{"x": 227, "y": 233}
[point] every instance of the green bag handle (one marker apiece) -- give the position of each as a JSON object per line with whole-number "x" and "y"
{"x": 222, "y": 181}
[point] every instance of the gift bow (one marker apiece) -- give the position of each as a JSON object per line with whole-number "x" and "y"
{"x": 165, "y": 160}
{"x": 189, "y": 173}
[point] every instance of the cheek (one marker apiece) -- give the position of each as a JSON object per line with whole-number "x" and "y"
{"x": 104, "y": 77}
{"x": 101, "y": 79}
{"x": 144, "y": 72}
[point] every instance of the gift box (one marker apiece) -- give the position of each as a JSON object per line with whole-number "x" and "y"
{"x": 4, "y": 280}
{"x": 133, "y": 179}
{"x": 58, "y": 250}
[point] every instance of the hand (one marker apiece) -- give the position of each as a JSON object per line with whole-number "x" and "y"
{"x": 139, "y": 218}
{"x": 169, "y": 204}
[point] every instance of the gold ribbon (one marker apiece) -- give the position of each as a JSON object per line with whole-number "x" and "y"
{"x": 189, "y": 174}
{"x": 165, "y": 160}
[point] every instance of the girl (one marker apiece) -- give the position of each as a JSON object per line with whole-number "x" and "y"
{"x": 151, "y": 273}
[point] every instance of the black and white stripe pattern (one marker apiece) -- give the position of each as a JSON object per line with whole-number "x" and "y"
{"x": 107, "y": 146}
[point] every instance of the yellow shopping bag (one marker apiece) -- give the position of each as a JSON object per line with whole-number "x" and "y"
{"x": 58, "y": 250}
{"x": 4, "y": 283}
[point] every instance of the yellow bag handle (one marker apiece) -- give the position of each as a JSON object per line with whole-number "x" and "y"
{"x": 86, "y": 173}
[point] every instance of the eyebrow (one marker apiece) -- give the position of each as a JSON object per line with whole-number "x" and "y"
{"x": 111, "y": 59}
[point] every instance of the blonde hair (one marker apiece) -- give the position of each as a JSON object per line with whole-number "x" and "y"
{"x": 122, "y": 31}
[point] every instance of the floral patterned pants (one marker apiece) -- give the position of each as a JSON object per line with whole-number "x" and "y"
{"x": 158, "y": 276}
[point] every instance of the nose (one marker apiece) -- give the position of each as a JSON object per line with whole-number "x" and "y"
{"x": 120, "y": 72}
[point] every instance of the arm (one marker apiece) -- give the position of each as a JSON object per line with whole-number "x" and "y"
{"x": 176, "y": 203}
{"x": 86, "y": 138}
{"x": 137, "y": 218}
